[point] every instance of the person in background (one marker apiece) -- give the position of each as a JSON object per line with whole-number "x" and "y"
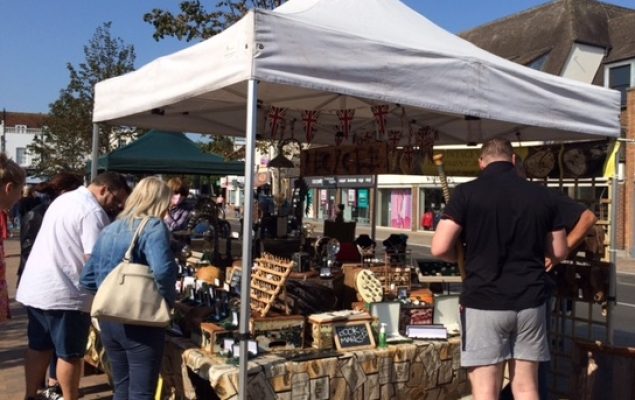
{"x": 57, "y": 310}
{"x": 12, "y": 179}
{"x": 32, "y": 219}
{"x": 577, "y": 220}
{"x": 135, "y": 352}
{"x": 427, "y": 221}
{"x": 29, "y": 227}
{"x": 178, "y": 214}
{"x": 28, "y": 201}
{"x": 508, "y": 225}
{"x": 339, "y": 214}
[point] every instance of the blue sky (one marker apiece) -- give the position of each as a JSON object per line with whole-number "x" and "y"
{"x": 38, "y": 37}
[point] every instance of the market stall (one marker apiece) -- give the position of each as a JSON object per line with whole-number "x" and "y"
{"x": 348, "y": 72}
{"x": 159, "y": 152}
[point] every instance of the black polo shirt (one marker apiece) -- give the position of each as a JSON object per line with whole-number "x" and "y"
{"x": 505, "y": 222}
{"x": 569, "y": 210}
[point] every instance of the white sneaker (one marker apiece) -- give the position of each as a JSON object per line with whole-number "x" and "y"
{"x": 52, "y": 393}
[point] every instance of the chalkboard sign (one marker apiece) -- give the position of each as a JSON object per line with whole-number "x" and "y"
{"x": 353, "y": 336}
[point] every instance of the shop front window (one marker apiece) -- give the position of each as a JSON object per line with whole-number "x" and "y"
{"x": 431, "y": 204}
{"x": 356, "y": 205}
{"x": 310, "y": 203}
{"x": 395, "y": 208}
{"x": 401, "y": 209}
{"x": 326, "y": 204}
{"x": 363, "y": 206}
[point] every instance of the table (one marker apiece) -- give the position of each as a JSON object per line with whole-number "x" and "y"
{"x": 418, "y": 370}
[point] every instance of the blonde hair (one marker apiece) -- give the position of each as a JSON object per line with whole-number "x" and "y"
{"x": 10, "y": 171}
{"x": 150, "y": 198}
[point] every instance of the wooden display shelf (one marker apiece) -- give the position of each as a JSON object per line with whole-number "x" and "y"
{"x": 268, "y": 280}
{"x": 440, "y": 279}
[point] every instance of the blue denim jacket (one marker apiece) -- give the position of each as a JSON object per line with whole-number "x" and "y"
{"x": 152, "y": 249}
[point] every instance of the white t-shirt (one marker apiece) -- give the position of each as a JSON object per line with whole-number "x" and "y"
{"x": 70, "y": 228}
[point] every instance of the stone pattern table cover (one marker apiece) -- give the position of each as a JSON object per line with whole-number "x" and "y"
{"x": 418, "y": 370}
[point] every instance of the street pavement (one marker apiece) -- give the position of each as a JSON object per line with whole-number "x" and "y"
{"x": 13, "y": 344}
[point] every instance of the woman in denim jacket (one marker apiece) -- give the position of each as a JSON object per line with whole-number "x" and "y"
{"x": 135, "y": 352}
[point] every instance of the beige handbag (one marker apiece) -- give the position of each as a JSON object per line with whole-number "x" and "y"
{"x": 129, "y": 294}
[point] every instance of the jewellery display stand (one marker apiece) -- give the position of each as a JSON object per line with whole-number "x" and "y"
{"x": 268, "y": 280}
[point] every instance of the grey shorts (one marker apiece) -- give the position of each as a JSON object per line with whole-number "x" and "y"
{"x": 491, "y": 337}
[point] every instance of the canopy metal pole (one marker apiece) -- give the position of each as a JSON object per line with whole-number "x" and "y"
{"x": 248, "y": 218}
{"x": 94, "y": 157}
{"x": 612, "y": 298}
{"x": 373, "y": 210}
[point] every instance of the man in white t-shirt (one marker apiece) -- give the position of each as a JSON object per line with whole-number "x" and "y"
{"x": 58, "y": 311}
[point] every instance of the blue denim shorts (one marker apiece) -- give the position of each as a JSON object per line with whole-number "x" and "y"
{"x": 64, "y": 331}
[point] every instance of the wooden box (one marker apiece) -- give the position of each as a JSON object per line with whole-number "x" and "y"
{"x": 322, "y": 326}
{"x": 210, "y": 337}
{"x": 278, "y": 333}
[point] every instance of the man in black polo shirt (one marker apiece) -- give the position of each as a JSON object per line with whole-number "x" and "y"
{"x": 508, "y": 226}
{"x": 577, "y": 221}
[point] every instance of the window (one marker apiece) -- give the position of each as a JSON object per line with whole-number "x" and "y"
{"x": 20, "y": 155}
{"x": 539, "y": 63}
{"x": 395, "y": 208}
{"x": 20, "y": 129}
{"x": 620, "y": 79}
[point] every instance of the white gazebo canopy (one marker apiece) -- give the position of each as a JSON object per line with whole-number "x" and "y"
{"x": 331, "y": 55}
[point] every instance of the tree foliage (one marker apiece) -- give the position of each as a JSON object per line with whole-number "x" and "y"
{"x": 220, "y": 145}
{"x": 67, "y": 139}
{"x": 195, "y": 22}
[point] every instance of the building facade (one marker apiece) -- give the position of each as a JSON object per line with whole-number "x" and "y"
{"x": 17, "y": 132}
{"x": 585, "y": 40}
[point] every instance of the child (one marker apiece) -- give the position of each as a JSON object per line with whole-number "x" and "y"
{"x": 12, "y": 179}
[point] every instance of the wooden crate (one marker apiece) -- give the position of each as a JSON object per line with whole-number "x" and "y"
{"x": 210, "y": 337}
{"x": 322, "y": 327}
{"x": 278, "y": 332}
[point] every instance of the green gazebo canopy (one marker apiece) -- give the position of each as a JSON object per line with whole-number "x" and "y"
{"x": 161, "y": 152}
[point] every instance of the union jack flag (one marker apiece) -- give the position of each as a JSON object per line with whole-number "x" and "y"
{"x": 380, "y": 113}
{"x": 394, "y": 137}
{"x": 408, "y": 156}
{"x": 310, "y": 123}
{"x": 366, "y": 138}
{"x": 426, "y": 136}
{"x": 346, "y": 119}
{"x": 339, "y": 135}
{"x": 275, "y": 119}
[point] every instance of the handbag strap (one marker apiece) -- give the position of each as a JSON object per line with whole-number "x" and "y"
{"x": 135, "y": 238}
